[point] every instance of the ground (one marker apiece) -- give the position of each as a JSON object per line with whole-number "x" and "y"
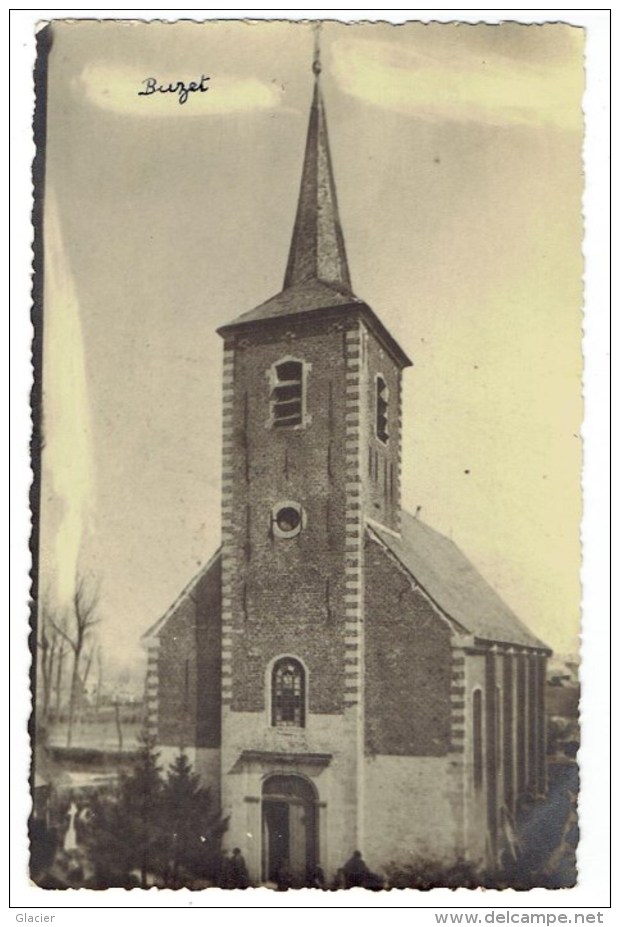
{"x": 549, "y": 827}
{"x": 551, "y": 831}
{"x": 99, "y": 730}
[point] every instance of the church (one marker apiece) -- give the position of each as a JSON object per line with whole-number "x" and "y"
{"x": 338, "y": 673}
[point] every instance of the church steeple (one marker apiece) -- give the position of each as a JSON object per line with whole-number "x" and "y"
{"x": 317, "y": 248}
{"x": 317, "y": 281}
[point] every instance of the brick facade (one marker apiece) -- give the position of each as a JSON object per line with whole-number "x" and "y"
{"x": 301, "y": 596}
{"x": 405, "y": 640}
{"x": 189, "y": 667}
{"x": 287, "y": 596}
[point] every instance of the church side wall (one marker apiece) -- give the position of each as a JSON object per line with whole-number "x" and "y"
{"x": 409, "y": 814}
{"x": 408, "y": 664}
{"x": 475, "y": 804}
{"x": 512, "y": 749}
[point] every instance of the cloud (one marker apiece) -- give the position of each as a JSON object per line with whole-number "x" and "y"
{"x": 125, "y": 91}
{"x": 68, "y": 449}
{"x": 463, "y": 86}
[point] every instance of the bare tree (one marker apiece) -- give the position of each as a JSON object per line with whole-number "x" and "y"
{"x": 60, "y": 659}
{"x": 77, "y": 634}
{"x": 52, "y": 650}
{"x": 99, "y": 680}
{"x": 88, "y": 662}
{"x": 46, "y": 661}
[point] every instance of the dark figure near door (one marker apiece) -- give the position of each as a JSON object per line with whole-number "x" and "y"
{"x": 355, "y": 871}
{"x": 284, "y": 879}
{"x": 317, "y": 878}
{"x": 223, "y": 874}
{"x": 237, "y": 871}
{"x": 357, "y": 874}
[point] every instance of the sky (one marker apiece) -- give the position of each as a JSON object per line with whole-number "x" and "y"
{"x": 457, "y": 158}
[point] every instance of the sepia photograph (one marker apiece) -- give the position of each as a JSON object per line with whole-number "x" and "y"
{"x": 307, "y": 406}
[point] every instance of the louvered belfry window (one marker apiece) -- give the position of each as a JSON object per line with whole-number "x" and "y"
{"x": 288, "y": 696}
{"x": 287, "y": 395}
{"x": 382, "y": 410}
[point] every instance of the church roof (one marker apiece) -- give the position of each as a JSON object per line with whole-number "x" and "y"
{"x": 154, "y": 630}
{"x": 454, "y": 585}
{"x": 315, "y": 297}
{"x": 305, "y": 296}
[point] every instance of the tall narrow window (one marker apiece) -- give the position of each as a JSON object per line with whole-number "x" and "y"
{"x": 381, "y": 425}
{"x": 477, "y": 745}
{"x": 288, "y": 695}
{"x": 521, "y": 713}
{"x": 287, "y": 394}
{"x": 499, "y": 733}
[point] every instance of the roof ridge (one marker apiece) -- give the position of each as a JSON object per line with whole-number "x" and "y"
{"x": 157, "y": 625}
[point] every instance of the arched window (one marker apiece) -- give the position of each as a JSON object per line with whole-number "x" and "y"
{"x": 288, "y": 696}
{"x": 381, "y": 423}
{"x": 287, "y": 399}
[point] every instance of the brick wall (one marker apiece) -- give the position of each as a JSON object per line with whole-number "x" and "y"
{"x": 189, "y": 666}
{"x": 288, "y": 595}
{"x": 408, "y": 664}
{"x": 296, "y": 596}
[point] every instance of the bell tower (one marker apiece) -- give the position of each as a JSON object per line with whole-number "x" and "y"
{"x": 311, "y": 451}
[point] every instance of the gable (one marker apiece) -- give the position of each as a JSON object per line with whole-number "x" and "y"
{"x": 198, "y": 588}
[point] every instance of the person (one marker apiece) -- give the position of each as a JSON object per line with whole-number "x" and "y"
{"x": 374, "y": 882}
{"x": 223, "y": 870}
{"x": 317, "y": 878}
{"x": 70, "y": 841}
{"x": 237, "y": 871}
{"x": 356, "y": 872}
{"x": 284, "y": 880}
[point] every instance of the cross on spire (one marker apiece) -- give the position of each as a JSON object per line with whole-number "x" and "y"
{"x": 316, "y": 61}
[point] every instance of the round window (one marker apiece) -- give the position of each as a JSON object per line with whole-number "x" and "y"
{"x": 287, "y": 519}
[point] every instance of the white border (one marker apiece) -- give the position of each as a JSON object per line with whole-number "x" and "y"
{"x": 593, "y": 852}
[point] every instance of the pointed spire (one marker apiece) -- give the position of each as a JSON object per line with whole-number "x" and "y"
{"x": 317, "y": 248}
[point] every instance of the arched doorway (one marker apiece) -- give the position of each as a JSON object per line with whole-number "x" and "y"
{"x": 289, "y": 828}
